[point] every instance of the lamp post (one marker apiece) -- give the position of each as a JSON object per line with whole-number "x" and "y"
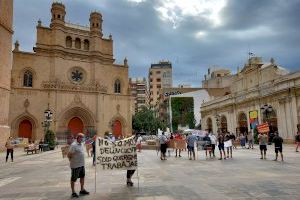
{"x": 47, "y": 121}
{"x": 267, "y": 110}
{"x": 218, "y": 121}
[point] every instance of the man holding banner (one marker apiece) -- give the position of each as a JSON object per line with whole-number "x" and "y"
{"x": 76, "y": 158}
{"x": 118, "y": 155}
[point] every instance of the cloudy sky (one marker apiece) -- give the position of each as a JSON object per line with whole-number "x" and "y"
{"x": 192, "y": 34}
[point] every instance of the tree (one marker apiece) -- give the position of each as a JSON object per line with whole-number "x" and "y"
{"x": 145, "y": 121}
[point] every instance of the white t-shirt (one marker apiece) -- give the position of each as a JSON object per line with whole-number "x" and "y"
{"x": 213, "y": 139}
{"x": 139, "y": 140}
{"x": 77, "y": 159}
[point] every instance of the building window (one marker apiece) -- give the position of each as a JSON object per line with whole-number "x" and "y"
{"x": 158, "y": 80}
{"x": 27, "y": 79}
{"x": 86, "y": 45}
{"x": 117, "y": 86}
{"x": 68, "y": 42}
{"x": 77, "y": 43}
{"x": 151, "y": 86}
{"x": 151, "y": 79}
{"x": 150, "y": 73}
{"x": 157, "y": 72}
{"x": 158, "y": 86}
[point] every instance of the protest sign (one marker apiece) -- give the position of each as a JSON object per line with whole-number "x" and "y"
{"x": 263, "y": 128}
{"x": 120, "y": 155}
{"x": 179, "y": 144}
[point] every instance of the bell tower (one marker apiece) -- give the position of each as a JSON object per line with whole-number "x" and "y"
{"x": 58, "y": 13}
{"x": 96, "y": 24}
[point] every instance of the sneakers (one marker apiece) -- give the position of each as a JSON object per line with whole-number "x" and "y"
{"x": 75, "y": 195}
{"x": 84, "y": 192}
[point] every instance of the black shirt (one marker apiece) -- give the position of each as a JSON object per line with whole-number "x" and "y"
{"x": 277, "y": 140}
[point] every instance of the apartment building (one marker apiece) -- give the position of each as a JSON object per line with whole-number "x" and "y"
{"x": 160, "y": 76}
{"x": 138, "y": 87}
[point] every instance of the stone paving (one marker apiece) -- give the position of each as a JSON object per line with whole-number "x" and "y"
{"x": 46, "y": 176}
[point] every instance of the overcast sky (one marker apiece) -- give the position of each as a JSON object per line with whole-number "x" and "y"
{"x": 192, "y": 34}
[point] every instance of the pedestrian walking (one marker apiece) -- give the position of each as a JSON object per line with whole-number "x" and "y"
{"x": 243, "y": 140}
{"x": 41, "y": 145}
{"x": 277, "y": 140}
{"x": 221, "y": 146}
{"x": 233, "y": 138}
{"x": 297, "y": 141}
{"x": 263, "y": 141}
{"x": 10, "y": 149}
{"x": 77, "y": 165}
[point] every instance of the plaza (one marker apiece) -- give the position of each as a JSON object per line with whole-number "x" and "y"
{"x": 46, "y": 176}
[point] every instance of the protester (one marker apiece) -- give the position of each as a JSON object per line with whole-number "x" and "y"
{"x": 232, "y": 137}
{"x": 228, "y": 145}
{"x": 263, "y": 140}
{"x": 250, "y": 139}
{"x": 94, "y": 149}
{"x": 213, "y": 141}
{"x": 207, "y": 145}
{"x": 242, "y": 140}
{"x": 10, "y": 149}
{"x": 129, "y": 175}
{"x": 221, "y": 145}
{"x": 178, "y": 137}
{"x": 190, "y": 140}
{"x": 297, "y": 141}
{"x": 163, "y": 146}
{"x": 77, "y": 165}
{"x": 277, "y": 140}
{"x": 139, "y": 143}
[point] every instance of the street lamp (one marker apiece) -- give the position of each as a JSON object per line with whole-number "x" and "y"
{"x": 266, "y": 110}
{"x": 218, "y": 120}
{"x": 48, "y": 119}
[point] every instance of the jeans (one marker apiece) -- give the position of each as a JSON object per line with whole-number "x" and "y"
{"x": 11, "y": 151}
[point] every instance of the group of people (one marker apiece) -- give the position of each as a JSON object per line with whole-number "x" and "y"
{"x": 225, "y": 143}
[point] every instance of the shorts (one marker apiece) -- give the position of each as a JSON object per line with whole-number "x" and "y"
{"x": 78, "y": 172}
{"x": 278, "y": 149}
{"x": 190, "y": 148}
{"x": 263, "y": 147}
{"x": 221, "y": 147}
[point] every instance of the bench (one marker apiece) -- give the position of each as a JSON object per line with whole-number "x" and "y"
{"x": 32, "y": 149}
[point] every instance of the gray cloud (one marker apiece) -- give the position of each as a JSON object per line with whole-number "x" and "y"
{"x": 269, "y": 27}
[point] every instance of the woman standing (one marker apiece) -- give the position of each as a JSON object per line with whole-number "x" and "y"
{"x": 163, "y": 146}
{"x": 9, "y": 149}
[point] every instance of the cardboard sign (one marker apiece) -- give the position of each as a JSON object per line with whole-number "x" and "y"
{"x": 65, "y": 150}
{"x": 263, "y": 128}
{"x": 118, "y": 155}
{"x": 179, "y": 144}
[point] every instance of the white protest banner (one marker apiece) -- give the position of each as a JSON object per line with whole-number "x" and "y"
{"x": 120, "y": 155}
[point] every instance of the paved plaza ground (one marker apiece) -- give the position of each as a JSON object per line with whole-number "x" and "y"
{"x": 46, "y": 176}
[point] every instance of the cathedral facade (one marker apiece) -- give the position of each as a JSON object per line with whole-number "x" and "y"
{"x": 6, "y": 32}
{"x": 72, "y": 74}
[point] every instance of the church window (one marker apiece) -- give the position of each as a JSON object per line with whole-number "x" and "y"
{"x": 68, "y": 41}
{"x": 77, "y": 43}
{"x": 86, "y": 45}
{"x": 27, "y": 79}
{"x": 58, "y": 16}
{"x": 117, "y": 86}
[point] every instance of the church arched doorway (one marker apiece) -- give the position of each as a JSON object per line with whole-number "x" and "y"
{"x": 75, "y": 126}
{"x": 117, "y": 128}
{"x": 25, "y": 129}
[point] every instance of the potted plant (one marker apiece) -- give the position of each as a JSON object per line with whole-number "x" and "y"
{"x": 50, "y": 139}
